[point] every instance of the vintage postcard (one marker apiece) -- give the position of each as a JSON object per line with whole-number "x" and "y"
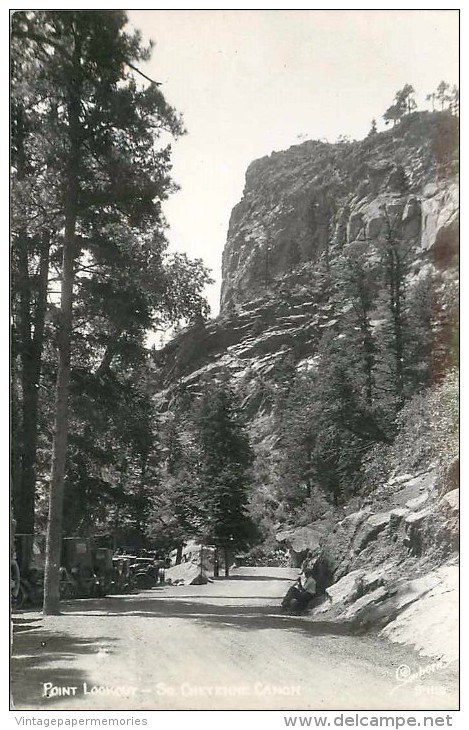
{"x": 234, "y": 361}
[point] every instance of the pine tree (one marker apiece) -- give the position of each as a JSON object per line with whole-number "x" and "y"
{"x": 404, "y": 103}
{"x": 96, "y": 130}
{"x": 373, "y": 128}
{"x": 405, "y": 98}
{"x": 454, "y": 101}
{"x": 431, "y": 97}
{"x": 442, "y": 94}
{"x": 226, "y": 456}
{"x": 395, "y": 266}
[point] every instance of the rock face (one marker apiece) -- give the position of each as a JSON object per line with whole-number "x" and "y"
{"x": 397, "y": 569}
{"x": 303, "y": 204}
{"x": 316, "y": 194}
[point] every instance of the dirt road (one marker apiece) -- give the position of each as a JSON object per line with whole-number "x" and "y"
{"x": 220, "y": 646}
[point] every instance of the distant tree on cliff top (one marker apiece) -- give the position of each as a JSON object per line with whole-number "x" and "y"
{"x": 405, "y": 97}
{"x": 442, "y": 94}
{"x": 431, "y": 97}
{"x": 404, "y": 103}
{"x": 454, "y": 101}
{"x": 373, "y": 128}
{"x": 446, "y": 96}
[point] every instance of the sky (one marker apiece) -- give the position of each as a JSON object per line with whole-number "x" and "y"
{"x": 250, "y": 82}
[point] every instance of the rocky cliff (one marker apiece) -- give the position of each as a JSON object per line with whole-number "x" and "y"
{"x": 317, "y": 195}
{"x": 301, "y": 210}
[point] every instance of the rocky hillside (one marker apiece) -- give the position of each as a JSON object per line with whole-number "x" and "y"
{"x": 300, "y": 208}
{"x": 304, "y": 214}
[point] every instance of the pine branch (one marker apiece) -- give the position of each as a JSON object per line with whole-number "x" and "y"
{"x": 134, "y": 68}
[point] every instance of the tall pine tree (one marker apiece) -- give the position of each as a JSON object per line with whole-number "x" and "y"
{"x": 96, "y": 132}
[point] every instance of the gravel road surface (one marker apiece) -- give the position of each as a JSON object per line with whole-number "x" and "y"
{"x": 224, "y": 645}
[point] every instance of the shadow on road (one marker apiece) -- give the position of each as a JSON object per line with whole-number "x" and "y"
{"x": 253, "y": 577}
{"x": 41, "y": 656}
{"x": 25, "y": 624}
{"x": 244, "y": 618}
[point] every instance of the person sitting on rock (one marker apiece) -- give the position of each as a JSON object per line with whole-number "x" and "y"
{"x": 301, "y": 592}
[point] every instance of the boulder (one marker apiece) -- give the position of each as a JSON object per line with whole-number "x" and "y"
{"x": 301, "y": 539}
{"x": 385, "y": 602}
{"x": 396, "y": 518}
{"x": 301, "y": 542}
{"x": 449, "y": 504}
{"x": 377, "y": 577}
{"x": 430, "y": 624}
{"x": 357, "y": 584}
{"x": 425, "y": 481}
{"x": 416, "y": 518}
{"x": 356, "y": 518}
{"x": 374, "y": 227}
{"x": 345, "y": 590}
{"x": 361, "y": 611}
{"x": 442, "y": 531}
{"x": 370, "y": 529}
{"x": 186, "y": 574}
{"x": 400, "y": 479}
{"x": 415, "y": 527}
{"x": 417, "y": 502}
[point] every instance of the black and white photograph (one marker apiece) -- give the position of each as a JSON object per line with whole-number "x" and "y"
{"x": 234, "y": 369}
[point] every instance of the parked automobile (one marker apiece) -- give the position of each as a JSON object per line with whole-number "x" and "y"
{"x": 77, "y": 559}
{"x": 143, "y": 572}
{"x": 104, "y": 569}
{"x": 28, "y": 570}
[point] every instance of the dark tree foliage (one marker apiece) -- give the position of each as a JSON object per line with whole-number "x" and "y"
{"x": 91, "y": 166}
{"x": 404, "y": 103}
{"x": 205, "y": 488}
{"x": 377, "y": 350}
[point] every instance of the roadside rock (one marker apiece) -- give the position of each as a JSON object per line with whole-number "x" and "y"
{"x": 300, "y": 541}
{"x": 360, "y": 611}
{"x": 386, "y": 601}
{"x": 415, "y": 526}
{"x": 185, "y": 574}
{"x": 441, "y": 532}
{"x": 370, "y": 529}
{"x": 197, "y": 563}
{"x": 430, "y": 624}
{"x": 346, "y": 589}
{"x": 417, "y": 501}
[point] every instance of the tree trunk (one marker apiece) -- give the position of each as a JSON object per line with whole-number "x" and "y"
{"x": 396, "y": 280}
{"x": 396, "y": 315}
{"x": 31, "y": 360}
{"x": 59, "y": 449}
{"x": 227, "y": 563}
{"x": 141, "y": 501}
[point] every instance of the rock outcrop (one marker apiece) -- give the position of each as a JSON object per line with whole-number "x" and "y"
{"x": 316, "y": 194}
{"x": 302, "y": 204}
{"x": 397, "y": 569}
